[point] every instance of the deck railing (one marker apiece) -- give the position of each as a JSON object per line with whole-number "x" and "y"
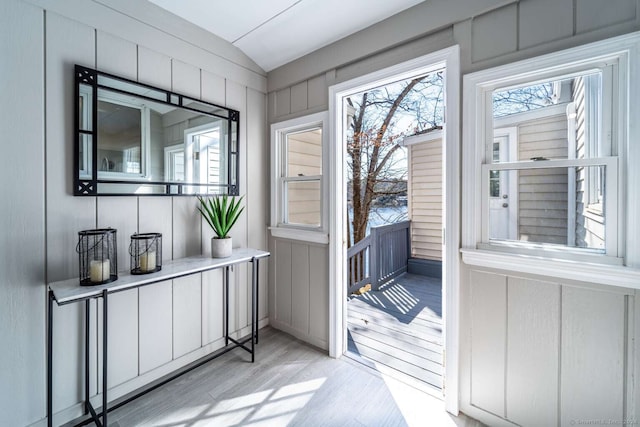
{"x": 379, "y": 257}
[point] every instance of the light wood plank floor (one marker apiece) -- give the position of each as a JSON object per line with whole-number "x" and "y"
{"x": 397, "y": 330}
{"x": 290, "y": 384}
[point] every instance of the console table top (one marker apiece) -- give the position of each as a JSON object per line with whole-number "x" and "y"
{"x": 68, "y": 291}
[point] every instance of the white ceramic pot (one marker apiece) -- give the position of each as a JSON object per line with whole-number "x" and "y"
{"x": 221, "y": 248}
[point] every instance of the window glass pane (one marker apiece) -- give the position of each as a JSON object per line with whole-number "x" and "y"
{"x": 84, "y": 156}
{"x": 556, "y": 119}
{"x": 304, "y": 153}
{"x": 303, "y": 202}
{"x": 119, "y": 138}
{"x": 207, "y": 108}
{"x": 85, "y": 107}
{"x": 132, "y": 88}
{"x": 546, "y": 205}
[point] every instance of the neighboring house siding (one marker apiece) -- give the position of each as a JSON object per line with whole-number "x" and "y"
{"x": 543, "y": 192}
{"x": 425, "y": 199}
{"x": 304, "y": 158}
{"x": 589, "y": 220}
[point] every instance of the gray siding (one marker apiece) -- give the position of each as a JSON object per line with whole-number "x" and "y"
{"x": 425, "y": 199}
{"x": 542, "y": 193}
{"x": 589, "y": 219}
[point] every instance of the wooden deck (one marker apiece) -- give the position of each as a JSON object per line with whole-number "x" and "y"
{"x": 398, "y": 330}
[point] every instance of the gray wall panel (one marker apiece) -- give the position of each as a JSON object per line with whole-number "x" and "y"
{"x": 22, "y": 240}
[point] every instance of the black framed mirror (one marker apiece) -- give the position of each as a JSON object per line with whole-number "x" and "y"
{"x": 135, "y": 139}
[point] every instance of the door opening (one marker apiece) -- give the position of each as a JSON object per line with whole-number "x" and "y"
{"x": 394, "y": 313}
{"x": 342, "y": 112}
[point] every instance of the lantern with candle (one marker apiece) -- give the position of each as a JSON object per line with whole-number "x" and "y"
{"x": 98, "y": 256}
{"x": 146, "y": 253}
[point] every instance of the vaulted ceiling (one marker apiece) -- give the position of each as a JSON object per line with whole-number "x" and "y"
{"x": 275, "y": 32}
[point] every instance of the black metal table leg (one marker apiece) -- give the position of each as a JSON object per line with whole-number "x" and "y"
{"x": 50, "y": 359}
{"x": 105, "y": 310}
{"x": 226, "y": 306}
{"x": 87, "y": 316}
{"x": 257, "y": 296}
{"x": 254, "y": 264}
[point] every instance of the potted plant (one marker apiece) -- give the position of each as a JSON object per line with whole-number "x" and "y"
{"x": 221, "y": 213}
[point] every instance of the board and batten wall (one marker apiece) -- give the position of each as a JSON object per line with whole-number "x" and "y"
{"x": 153, "y": 330}
{"x": 534, "y": 350}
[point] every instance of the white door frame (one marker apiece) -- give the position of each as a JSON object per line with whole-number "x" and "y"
{"x": 450, "y": 59}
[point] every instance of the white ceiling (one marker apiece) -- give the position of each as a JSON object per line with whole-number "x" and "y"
{"x": 275, "y": 32}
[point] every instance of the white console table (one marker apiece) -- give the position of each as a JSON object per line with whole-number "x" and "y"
{"x": 70, "y": 291}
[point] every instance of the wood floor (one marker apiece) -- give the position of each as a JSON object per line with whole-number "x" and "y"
{"x": 290, "y": 384}
{"x": 398, "y": 330}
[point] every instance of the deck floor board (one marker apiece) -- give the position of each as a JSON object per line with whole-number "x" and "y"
{"x": 398, "y": 330}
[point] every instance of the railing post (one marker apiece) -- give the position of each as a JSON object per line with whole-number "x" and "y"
{"x": 408, "y": 237}
{"x": 374, "y": 261}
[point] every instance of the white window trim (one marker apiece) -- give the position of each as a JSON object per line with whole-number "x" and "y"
{"x": 278, "y": 133}
{"x": 477, "y": 96}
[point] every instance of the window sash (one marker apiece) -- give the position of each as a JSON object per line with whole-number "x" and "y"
{"x": 285, "y": 214}
{"x": 611, "y": 199}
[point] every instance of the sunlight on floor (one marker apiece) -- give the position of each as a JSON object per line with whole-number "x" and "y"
{"x": 418, "y": 408}
{"x": 272, "y": 407}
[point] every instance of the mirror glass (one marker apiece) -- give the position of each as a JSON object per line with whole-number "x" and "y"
{"x": 150, "y": 141}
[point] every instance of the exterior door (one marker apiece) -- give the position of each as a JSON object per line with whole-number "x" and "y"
{"x": 503, "y": 194}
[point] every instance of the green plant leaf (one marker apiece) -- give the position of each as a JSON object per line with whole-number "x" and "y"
{"x": 221, "y": 213}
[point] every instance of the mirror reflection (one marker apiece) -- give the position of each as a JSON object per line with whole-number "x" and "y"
{"x": 149, "y": 141}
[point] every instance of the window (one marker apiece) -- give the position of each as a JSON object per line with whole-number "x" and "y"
{"x": 124, "y": 136}
{"x": 544, "y": 149}
{"x": 298, "y": 203}
{"x": 202, "y": 146}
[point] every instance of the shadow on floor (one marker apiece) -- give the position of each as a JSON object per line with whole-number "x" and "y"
{"x": 406, "y": 297}
{"x": 397, "y": 330}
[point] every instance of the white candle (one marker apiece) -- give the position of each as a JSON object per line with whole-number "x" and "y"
{"x": 99, "y": 271}
{"x": 148, "y": 261}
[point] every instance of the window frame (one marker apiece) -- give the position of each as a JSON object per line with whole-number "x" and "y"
{"x": 478, "y": 89}
{"x": 280, "y": 227}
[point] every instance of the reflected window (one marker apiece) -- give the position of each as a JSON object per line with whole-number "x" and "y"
{"x": 134, "y": 139}
{"x": 123, "y": 137}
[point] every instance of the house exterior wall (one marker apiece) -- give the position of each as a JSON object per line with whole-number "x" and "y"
{"x": 425, "y": 199}
{"x": 542, "y": 194}
{"x": 542, "y": 199}
{"x": 528, "y": 343}
{"x": 589, "y": 218}
{"x": 304, "y": 158}
{"x": 152, "y": 330}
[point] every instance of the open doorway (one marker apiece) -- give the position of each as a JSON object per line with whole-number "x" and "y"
{"x": 343, "y": 113}
{"x": 394, "y": 228}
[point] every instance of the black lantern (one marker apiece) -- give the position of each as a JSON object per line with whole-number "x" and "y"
{"x": 98, "y": 253}
{"x": 146, "y": 253}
